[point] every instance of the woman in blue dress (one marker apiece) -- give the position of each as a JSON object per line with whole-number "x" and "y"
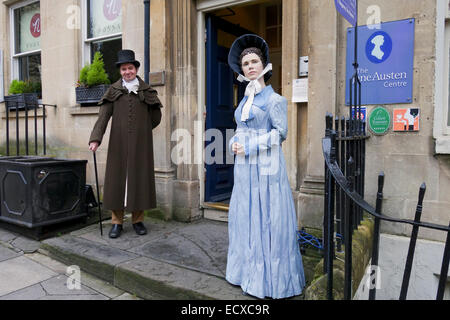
{"x": 263, "y": 254}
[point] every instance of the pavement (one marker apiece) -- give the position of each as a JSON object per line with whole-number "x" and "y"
{"x": 28, "y": 274}
{"x": 174, "y": 260}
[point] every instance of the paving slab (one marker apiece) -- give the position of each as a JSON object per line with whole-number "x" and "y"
{"x": 101, "y": 286}
{"x": 129, "y": 239}
{"x": 181, "y": 251}
{"x": 200, "y": 246}
{"x": 147, "y": 277}
{"x": 33, "y": 292}
{"x": 20, "y": 272}
{"x": 7, "y": 236}
{"x": 26, "y": 245}
{"x": 127, "y": 296}
{"x": 54, "y": 265}
{"x": 58, "y": 286}
{"x": 94, "y": 258}
{"x": 6, "y": 254}
{"x": 75, "y": 297}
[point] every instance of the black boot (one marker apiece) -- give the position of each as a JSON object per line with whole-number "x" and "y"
{"x": 140, "y": 228}
{"x": 115, "y": 231}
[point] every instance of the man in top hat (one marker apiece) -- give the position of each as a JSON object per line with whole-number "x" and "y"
{"x": 129, "y": 178}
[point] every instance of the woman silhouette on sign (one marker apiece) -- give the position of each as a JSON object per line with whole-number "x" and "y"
{"x": 378, "y": 41}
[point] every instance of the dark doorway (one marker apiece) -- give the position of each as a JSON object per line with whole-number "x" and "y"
{"x": 223, "y": 91}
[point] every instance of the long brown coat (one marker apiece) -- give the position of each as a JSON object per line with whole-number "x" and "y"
{"x": 130, "y": 150}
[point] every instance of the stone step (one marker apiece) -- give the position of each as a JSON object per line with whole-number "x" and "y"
{"x": 143, "y": 276}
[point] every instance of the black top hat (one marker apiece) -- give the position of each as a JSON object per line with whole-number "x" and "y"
{"x": 126, "y": 56}
{"x": 242, "y": 43}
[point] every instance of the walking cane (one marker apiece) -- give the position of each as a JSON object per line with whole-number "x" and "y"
{"x": 98, "y": 195}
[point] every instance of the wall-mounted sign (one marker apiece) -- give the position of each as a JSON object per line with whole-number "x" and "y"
{"x": 300, "y": 90}
{"x": 28, "y": 26}
{"x": 361, "y": 113}
{"x": 385, "y": 59}
{"x": 347, "y": 8}
{"x": 105, "y": 17}
{"x": 379, "y": 120}
{"x": 406, "y": 119}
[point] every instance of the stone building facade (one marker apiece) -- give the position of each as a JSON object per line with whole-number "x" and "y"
{"x": 179, "y": 57}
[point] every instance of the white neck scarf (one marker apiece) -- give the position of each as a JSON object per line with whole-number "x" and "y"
{"x": 253, "y": 88}
{"x": 132, "y": 86}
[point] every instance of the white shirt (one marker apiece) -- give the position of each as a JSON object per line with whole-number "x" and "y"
{"x": 132, "y": 86}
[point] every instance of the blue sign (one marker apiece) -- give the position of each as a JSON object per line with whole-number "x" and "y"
{"x": 385, "y": 59}
{"x": 360, "y": 113}
{"x": 347, "y": 8}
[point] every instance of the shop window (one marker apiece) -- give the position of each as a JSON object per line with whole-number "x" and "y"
{"x": 26, "y": 41}
{"x": 103, "y": 32}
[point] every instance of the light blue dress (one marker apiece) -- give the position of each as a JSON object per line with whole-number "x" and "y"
{"x": 263, "y": 253}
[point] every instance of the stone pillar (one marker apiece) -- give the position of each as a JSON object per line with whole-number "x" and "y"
{"x": 182, "y": 40}
{"x": 290, "y": 54}
{"x": 322, "y": 99}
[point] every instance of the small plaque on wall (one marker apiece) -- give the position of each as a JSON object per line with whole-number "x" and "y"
{"x": 157, "y": 78}
{"x": 406, "y": 119}
{"x": 379, "y": 120}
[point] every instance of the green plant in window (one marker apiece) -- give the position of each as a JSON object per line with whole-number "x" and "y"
{"x": 19, "y": 86}
{"x": 94, "y": 74}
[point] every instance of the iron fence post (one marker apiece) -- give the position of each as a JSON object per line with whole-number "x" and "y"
{"x": 330, "y": 222}
{"x": 412, "y": 245}
{"x": 376, "y": 235}
{"x": 444, "y": 269}
{"x": 35, "y": 131}
{"x": 7, "y": 129}
{"x": 17, "y": 130}
{"x": 349, "y": 234}
{"x": 329, "y": 128}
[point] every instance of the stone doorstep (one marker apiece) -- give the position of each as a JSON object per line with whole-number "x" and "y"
{"x": 145, "y": 277}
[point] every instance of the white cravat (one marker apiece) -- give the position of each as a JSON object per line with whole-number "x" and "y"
{"x": 132, "y": 86}
{"x": 253, "y": 88}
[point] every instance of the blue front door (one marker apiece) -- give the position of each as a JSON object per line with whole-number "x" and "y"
{"x": 221, "y": 88}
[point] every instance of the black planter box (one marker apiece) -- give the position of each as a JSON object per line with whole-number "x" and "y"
{"x": 38, "y": 191}
{"x": 90, "y": 95}
{"x": 19, "y": 101}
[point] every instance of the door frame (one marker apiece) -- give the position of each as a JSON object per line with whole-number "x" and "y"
{"x": 203, "y": 7}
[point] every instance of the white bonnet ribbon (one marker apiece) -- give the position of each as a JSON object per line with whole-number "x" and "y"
{"x": 253, "y": 88}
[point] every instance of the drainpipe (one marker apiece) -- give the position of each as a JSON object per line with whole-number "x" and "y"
{"x": 147, "y": 41}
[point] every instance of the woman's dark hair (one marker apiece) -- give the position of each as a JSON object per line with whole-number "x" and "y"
{"x": 252, "y": 50}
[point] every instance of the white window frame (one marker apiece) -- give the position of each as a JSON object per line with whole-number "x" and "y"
{"x": 15, "y": 57}
{"x": 2, "y": 85}
{"x": 86, "y": 54}
{"x": 441, "y": 128}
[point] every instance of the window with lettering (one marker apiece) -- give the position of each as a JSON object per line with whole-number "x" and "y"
{"x": 27, "y": 42}
{"x": 104, "y": 32}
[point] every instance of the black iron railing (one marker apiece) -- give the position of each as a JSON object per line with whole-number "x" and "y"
{"x": 29, "y": 104}
{"x": 344, "y": 153}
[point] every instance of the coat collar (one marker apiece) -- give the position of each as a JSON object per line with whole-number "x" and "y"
{"x": 142, "y": 85}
